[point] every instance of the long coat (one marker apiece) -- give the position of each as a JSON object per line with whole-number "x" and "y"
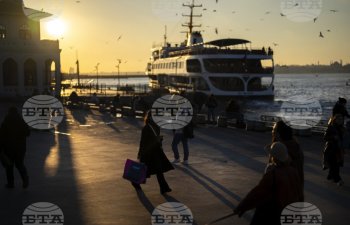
{"x": 13, "y": 134}
{"x": 151, "y": 151}
{"x": 333, "y": 152}
{"x": 297, "y": 157}
{"x": 279, "y": 187}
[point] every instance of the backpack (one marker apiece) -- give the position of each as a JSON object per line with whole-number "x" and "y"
{"x": 188, "y": 131}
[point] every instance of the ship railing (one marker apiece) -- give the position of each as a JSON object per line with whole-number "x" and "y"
{"x": 212, "y": 51}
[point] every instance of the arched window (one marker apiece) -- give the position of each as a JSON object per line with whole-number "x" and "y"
{"x": 10, "y": 72}
{"x": 2, "y": 32}
{"x": 24, "y": 32}
{"x": 30, "y": 73}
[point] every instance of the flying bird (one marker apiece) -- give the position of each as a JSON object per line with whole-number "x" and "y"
{"x": 267, "y": 12}
{"x": 315, "y": 19}
{"x": 282, "y": 14}
{"x": 321, "y": 35}
{"x": 296, "y": 4}
{"x": 275, "y": 44}
{"x": 334, "y": 10}
{"x": 328, "y": 30}
{"x": 216, "y": 31}
{"x": 204, "y": 9}
{"x": 119, "y": 37}
{"x": 214, "y": 10}
{"x": 233, "y": 11}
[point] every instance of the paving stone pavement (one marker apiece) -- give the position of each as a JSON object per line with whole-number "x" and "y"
{"x": 79, "y": 167}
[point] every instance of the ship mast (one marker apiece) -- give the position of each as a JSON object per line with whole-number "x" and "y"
{"x": 190, "y": 25}
{"x": 165, "y": 37}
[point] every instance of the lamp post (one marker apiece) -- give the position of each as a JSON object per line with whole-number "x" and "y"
{"x": 96, "y": 67}
{"x": 119, "y": 61}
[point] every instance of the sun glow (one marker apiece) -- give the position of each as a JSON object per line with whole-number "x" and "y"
{"x": 56, "y": 28}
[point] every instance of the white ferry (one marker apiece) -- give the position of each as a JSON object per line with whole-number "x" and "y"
{"x": 224, "y": 67}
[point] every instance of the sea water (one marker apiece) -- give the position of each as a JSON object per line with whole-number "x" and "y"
{"x": 324, "y": 88}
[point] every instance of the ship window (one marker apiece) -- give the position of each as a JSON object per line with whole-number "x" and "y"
{"x": 199, "y": 84}
{"x": 24, "y": 32}
{"x": 224, "y": 65}
{"x": 267, "y": 65}
{"x": 2, "y": 32}
{"x": 193, "y": 66}
{"x": 260, "y": 83}
{"x": 227, "y": 83}
{"x": 238, "y": 65}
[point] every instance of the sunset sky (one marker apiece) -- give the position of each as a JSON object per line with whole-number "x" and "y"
{"x": 103, "y": 31}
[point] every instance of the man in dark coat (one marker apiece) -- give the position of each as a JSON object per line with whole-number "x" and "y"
{"x": 339, "y": 108}
{"x": 151, "y": 153}
{"x": 211, "y": 105}
{"x": 13, "y": 132}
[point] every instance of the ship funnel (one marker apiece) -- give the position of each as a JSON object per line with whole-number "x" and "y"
{"x": 194, "y": 38}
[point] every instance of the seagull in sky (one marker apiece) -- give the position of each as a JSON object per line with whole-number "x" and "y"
{"x": 214, "y": 10}
{"x": 119, "y": 37}
{"x": 275, "y": 44}
{"x": 328, "y": 30}
{"x": 282, "y": 14}
{"x": 315, "y": 19}
{"x": 296, "y": 4}
{"x": 334, "y": 10}
{"x": 216, "y": 31}
{"x": 204, "y": 9}
{"x": 267, "y": 12}
{"x": 233, "y": 11}
{"x": 321, "y": 35}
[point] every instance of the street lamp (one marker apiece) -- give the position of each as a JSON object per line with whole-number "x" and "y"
{"x": 96, "y": 67}
{"x": 119, "y": 61}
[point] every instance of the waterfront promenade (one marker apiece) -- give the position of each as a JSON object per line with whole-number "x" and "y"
{"x": 79, "y": 168}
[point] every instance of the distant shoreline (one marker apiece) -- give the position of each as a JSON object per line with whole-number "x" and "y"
{"x": 312, "y": 69}
{"x": 334, "y": 68}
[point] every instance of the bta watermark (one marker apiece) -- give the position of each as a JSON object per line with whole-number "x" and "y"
{"x": 43, "y": 213}
{"x": 301, "y": 213}
{"x": 43, "y": 112}
{"x": 301, "y": 112}
{"x": 301, "y": 10}
{"x": 172, "y": 112}
{"x": 172, "y": 213}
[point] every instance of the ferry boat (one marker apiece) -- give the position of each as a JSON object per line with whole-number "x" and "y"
{"x": 224, "y": 67}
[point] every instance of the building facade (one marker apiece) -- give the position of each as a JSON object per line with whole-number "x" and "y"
{"x": 28, "y": 65}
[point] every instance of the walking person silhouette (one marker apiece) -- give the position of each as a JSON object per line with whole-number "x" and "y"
{"x": 151, "y": 153}
{"x": 13, "y": 134}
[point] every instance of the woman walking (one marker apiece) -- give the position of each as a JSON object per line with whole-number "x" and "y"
{"x": 278, "y": 188}
{"x": 283, "y": 133}
{"x": 151, "y": 153}
{"x": 333, "y": 154}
